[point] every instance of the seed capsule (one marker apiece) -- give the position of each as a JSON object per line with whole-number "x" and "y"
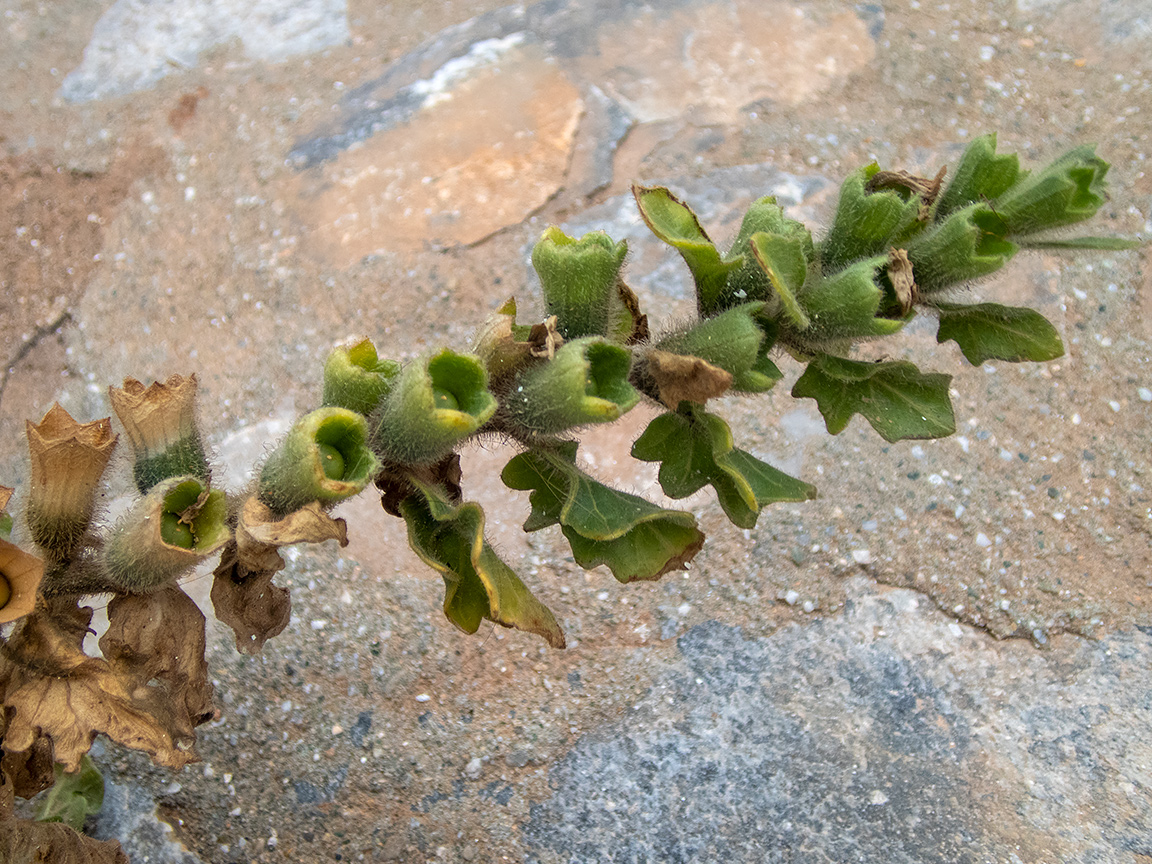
{"x": 441, "y": 398}
{"x": 176, "y": 533}
{"x": 332, "y": 461}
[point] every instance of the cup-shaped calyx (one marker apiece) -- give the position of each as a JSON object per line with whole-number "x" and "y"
{"x": 585, "y": 382}
{"x": 178, "y": 523}
{"x": 67, "y": 461}
{"x": 161, "y": 424}
{"x": 325, "y": 458}
{"x": 435, "y": 403}
{"x": 581, "y": 284}
{"x": 356, "y": 378}
{"x": 704, "y": 360}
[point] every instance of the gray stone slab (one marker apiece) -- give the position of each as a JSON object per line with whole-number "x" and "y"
{"x": 888, "y": 734}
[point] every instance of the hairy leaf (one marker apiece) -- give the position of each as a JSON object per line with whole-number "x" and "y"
{"x": 635, "y": 539}
{"x": 1069, "y": 190}
{"x": 449, "y": 537}
{"x": 74, "y": 797}
{"x": 674, "y": 222}
{"x": 989, "y": 331}
{"x": 1104, "y": 244}
{"x": 969, "y": 244}
{"x": 866, "y": 221}
{"x": 695, "y": 448}
{"x": 898, "y": 399}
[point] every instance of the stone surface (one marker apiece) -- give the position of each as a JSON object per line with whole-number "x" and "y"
{"x": 138, "y": 42}
{"x": 888, "y": 733}
{"x": 216, "y": 192}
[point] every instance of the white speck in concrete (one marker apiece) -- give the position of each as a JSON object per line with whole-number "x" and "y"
{"x": 423, "y": 697}
{"x": 862, "y": 556}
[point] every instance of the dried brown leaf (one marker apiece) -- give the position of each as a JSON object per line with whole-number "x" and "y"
{"x": 927, "y": 188}
{"x": 158, "y": 639}
{"x": 253, "y": 607}
{"x": 681, "y": 377}
{"x": 260, "y": 533}
{"x": 23, "y": 841}
{"x": 22, "y": 574}
{"x": 903, "y": 280}
{"x": 544, "y": 340}
{"x": 5, "y": 496}
{"x": 31, "y": 771}
{"x": 53, "y": 688}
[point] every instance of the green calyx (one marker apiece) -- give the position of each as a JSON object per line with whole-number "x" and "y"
{"x": 968, "y": 244}
{"x": 585, "y": 382}
{"x": 178, "y": 523}
{"x": 325, "y": 457}
{"x": 982, "y": 176}
{"x": 579, "y": 280}
{"x": 733, "y": 341}
{"x": 418, "y": 423}
{"x": 867, "y": 221}
{"x": 356, "y": 378}
{"x": 182, "y": 458}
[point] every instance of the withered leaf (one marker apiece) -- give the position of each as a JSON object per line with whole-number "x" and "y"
{"x": 903, "y": 280}
{"x": 31, "y": 771}
{"x": 158, "y": 639}
{"x": 544, "y": 339}
{"x": 639, "y": 332}
{"x": 23, "y": 841}
{"x": 53, "y": 688}
{"x": 253, "y": 607}
{"x": 681, "y": 377}
{"x": 5, "y": 497}
{"x": 260, "y": 533}
{"x": 927, "y": 189}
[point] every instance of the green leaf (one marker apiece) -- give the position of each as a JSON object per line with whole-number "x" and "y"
{"x": 1069, "y": 190}
{"x": 695, "y": 448}
{"x": 1105, "y": 244}
{"x": 895, "y": 397}
{"x": 969, "y": 244}
{"x": 981, "y": 176}
{"x": 579, "y": 279}
{"x": 783, "y": 261}
{"x": 673, "y": 221}
{"x": 865, "y": 221}
{"x": 449, "y": 537}
{"x": 635, "y": 539}
{"x": 989, "y": 331}
{"x": 74, "y": 797}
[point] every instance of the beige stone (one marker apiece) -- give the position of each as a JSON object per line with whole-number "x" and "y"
{"x": 706, "y": 63}
{"x": 484, "y": 156}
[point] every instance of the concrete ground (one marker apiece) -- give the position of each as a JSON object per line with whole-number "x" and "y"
{"x": 947, "y": 657}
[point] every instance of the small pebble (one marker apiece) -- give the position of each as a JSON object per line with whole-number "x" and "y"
{"x": 862, "y": 556}
{"x": 1145, "y": 394}
{"x": 982, "y": 540}
{"x": 473, "y": 768}
{"x": 423, "y": 697}
{"x": 791, "y": 597}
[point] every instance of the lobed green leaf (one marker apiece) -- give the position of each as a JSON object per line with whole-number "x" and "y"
{"x": 633, "y": 537}
{"x": 673, "y": 221}
{"x": 898, "y": 399}
{"x": 695, "y": 449}
{"x": 989, "y": 331}
{"x": 449, "y": 537}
